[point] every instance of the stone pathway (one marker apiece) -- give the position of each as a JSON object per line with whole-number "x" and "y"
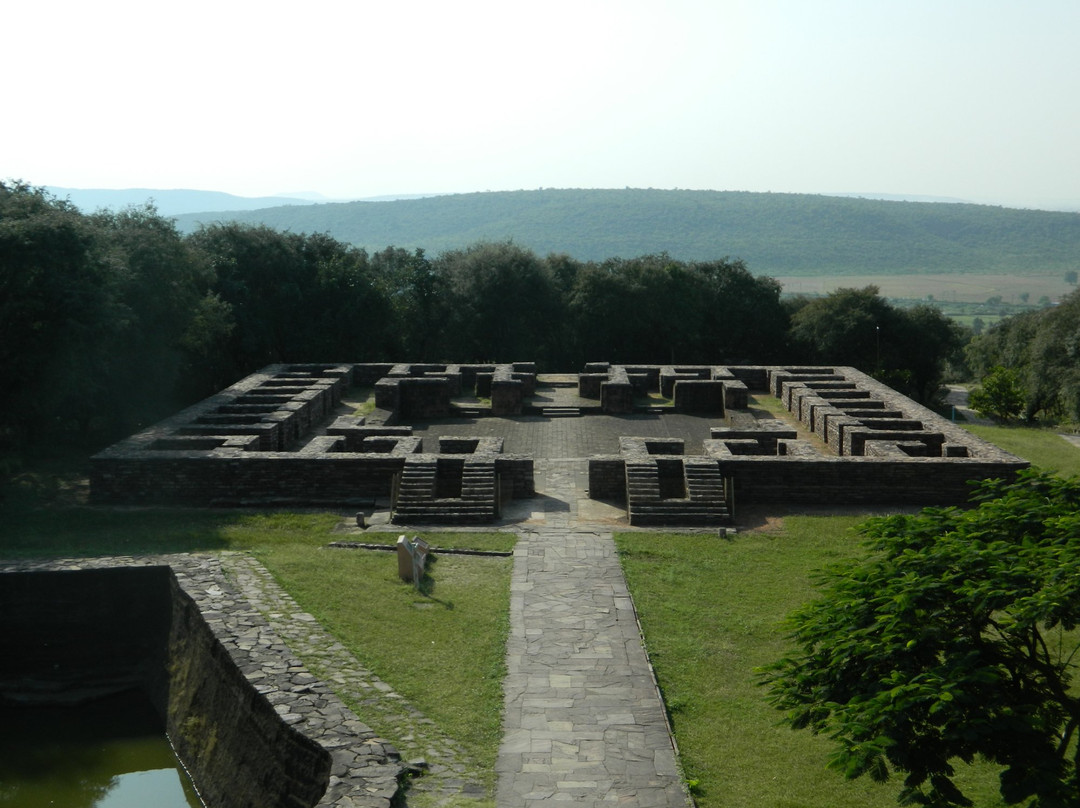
{"x": 584, "y": 721}
{"x": 446, "y": 774}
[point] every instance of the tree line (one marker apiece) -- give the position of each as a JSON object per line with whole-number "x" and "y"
{"x": 111, "y": 320}
{"x": 1030, "y": 365}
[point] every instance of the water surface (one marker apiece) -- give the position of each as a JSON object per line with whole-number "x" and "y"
{"x": 109, "y": 753}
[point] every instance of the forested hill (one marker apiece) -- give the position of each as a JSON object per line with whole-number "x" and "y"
{"x": 776, "y": 234}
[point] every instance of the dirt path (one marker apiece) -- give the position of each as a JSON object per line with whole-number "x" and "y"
{"x": 958, "y": 398}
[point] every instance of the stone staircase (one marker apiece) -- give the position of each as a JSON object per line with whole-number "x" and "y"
{"x": 418, "y": 501}
{"x": 560, "y": 412}
{"x": 704, "y": 504}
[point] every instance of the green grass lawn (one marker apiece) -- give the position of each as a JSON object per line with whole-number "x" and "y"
{"x": 442, "y": 649}
{"x": 713, "y": 610}
{"x": 1042, "y": 447}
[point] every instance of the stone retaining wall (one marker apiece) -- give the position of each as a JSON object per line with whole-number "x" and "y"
{"x": 617, "y": 394}
{"x": 215, "y": 478}
{"x": 896, "y": 478}
{"x": 251, "y": 725}
{"x": 607, "y": 478}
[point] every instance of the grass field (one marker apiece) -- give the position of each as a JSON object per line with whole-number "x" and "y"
{"x": 712, "y": 611}
{"x": 1042, "y": 447}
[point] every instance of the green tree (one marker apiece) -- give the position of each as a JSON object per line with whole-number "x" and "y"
{"x": 419, "y": 295}
{"x": 505, "y": 304}
{"x": 846, "y": 327}
{"x": 161, "y": 282}
{"x": 906, "y": 349}
{"x": 60, "y": 311}
{"x": 743, "y": 317}
{"x": 1043, "y": 348}
{"x": 656, "y": 309}
{"x": 926, "y": 343}
{"x": 96, "y": 313}
{"x": 295, "y": 298}
{"x": 999, "y": 395}
{"x": 954, "y": 638}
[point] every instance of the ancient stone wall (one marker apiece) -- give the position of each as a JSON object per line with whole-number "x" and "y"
{"x": 227, "y": 450}
{"x": 215, "y": 478}
{"x": 897, "y": 478}
{"x": 69, "y": 636}
{"x": 507, "y": 392}
{"x": 239, "y": 750}
{"x": 699, "y": 395}
{"x": 884, "y": 448}
{"x": 607, "y": 478}
{"x": 251, "y": 725}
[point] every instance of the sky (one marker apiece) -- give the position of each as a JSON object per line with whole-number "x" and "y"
{"x": 965, "y": 99}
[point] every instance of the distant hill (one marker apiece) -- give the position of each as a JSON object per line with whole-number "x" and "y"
{"x": 776, "y": 234}
{"x": 168, "y": 202}
{"x": 176, "y": 202}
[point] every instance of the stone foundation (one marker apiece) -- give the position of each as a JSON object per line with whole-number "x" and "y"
{"x": 228, "y": 451}
{"x": 258, "y": 443}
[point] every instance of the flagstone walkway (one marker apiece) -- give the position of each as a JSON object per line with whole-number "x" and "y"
{"x": 583, "y": 721}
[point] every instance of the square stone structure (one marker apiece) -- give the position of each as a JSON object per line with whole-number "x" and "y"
{"x": 281, "y": 437}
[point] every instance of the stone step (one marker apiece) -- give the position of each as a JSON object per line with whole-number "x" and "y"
{"x": 436, "y": 508}
{"x": 560, "y": 412}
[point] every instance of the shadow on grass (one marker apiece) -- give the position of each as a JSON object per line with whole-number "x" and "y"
{"x": 427, "y": 585}
{"x": 57, "y": 531}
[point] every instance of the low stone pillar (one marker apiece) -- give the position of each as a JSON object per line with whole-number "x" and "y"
{"x": 617, "y": 394}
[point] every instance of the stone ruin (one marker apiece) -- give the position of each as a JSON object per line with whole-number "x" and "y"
{"x": 278, "y": 438}
{"x": 253, "y": 727}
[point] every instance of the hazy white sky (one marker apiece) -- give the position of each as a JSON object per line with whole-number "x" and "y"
{"x": 976, "y": 99}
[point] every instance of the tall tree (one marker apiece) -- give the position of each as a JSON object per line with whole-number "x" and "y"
{"x": 162, "y": 284}
{"x": 295, "y": 297}
{"x": 58, "y": 309}
{"x": 905, "y": 349}
{"x": 419, "y": 295}
{"x": 1043, "y": 349}
{"x": 505, "y": 304}
{"x": 744, "y": 319}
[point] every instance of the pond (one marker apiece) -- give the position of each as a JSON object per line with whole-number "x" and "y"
{"x": 108, "y": 753}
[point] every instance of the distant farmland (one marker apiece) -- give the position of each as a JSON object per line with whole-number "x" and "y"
{"x": 950, "y": 288}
